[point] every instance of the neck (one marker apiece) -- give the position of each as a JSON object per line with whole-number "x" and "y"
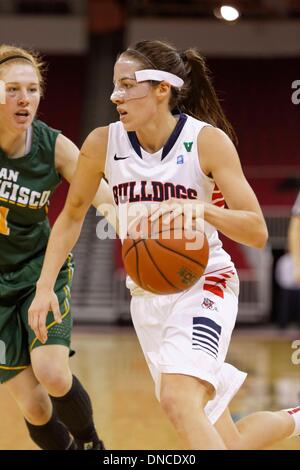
{"x": 154, "y": 135}
{"x": 13, "y": 143}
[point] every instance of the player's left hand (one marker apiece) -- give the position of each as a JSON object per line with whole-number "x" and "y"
{"x": 45, "y": 300}
{"x": 174, "y": 207}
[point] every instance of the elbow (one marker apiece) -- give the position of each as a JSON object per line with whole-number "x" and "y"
{"x": 261, "y": 237}
{"x": 74, "y": 210}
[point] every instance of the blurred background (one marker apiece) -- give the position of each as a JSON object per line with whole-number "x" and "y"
{"x": 254, "y": 61}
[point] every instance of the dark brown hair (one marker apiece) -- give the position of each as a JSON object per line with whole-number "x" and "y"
{"x": 197, "y": 97}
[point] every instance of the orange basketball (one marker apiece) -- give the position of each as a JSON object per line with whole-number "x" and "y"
{"x": 162, "y": 261}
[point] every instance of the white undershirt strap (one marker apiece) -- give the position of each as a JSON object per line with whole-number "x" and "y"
{"x": 28, "y": 141}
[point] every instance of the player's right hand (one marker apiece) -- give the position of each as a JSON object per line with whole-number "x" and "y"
{"x": 45, "y": 301}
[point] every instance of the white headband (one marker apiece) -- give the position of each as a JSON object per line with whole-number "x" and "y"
{"x": 159, "y": 76}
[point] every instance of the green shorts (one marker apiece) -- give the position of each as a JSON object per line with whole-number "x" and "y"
{"x": 17, "y": 290}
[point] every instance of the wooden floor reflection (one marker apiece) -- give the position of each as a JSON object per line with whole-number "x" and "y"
{"x": 111, "y": 366}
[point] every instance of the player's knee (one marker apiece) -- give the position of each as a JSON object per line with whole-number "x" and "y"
{"x": 177, "y": 401}
{"x": 37, "y": 409}
{"x": 55, "y": 378}
{"x": 174, "y": 403}
{"x": 171, "y": 404}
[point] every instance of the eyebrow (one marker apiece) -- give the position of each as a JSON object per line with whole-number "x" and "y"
{"x": 125, "y": 78}
{"x": 18, "y": 83}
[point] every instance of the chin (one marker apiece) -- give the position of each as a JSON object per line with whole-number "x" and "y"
{"x": 128, "y": 127}
{"x": 22, "y": 126}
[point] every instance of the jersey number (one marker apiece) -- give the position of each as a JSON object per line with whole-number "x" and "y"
{"x": 4, "y": 229}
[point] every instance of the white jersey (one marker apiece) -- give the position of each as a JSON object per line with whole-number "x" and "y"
{"x": 173, "y": 171}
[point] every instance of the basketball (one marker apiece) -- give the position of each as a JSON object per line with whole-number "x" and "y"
{"x": 163, "y": 262}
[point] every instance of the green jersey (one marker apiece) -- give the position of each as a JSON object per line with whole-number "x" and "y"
{"x": 26, "y": 183}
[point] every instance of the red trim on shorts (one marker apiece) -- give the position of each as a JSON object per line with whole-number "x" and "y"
{"x": 295, "y": 410}
{"x": 221, "y": 271}
{"x": 218, "y": 283}
{"x": 215, "y": 279}
{"x": 214, "y": 289}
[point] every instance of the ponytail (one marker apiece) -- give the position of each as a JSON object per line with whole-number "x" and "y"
{"x": 198, "y": 97}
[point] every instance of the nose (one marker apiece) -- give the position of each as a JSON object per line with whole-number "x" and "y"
{"x": 117, "y": 96}
{"x": 23, "y": 97}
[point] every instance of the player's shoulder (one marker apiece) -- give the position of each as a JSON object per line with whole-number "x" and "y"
{"x": 209, "y": 135}
{"x": 95, "y": 144}
{"x": 213, "y": 137}
{"x": 215, "y": 149}
{"x": 99, "y": 133}
{"x": 195, "y": 125}
{"x": 64, "y": 145}
{"x": 97, "y": 137}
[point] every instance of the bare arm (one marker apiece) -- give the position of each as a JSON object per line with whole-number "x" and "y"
{"x": 83, "y": 188}
{"x": 294, "y": 244}
{"x": 243, "y": 221}
{"x": 66, "y": 159}
{"x": 67, "y": 227}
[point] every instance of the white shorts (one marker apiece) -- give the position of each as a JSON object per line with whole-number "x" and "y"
{"x": 189, "y": 333}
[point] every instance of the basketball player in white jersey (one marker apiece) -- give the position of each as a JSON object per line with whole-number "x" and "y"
{"x": 155, "y": 154}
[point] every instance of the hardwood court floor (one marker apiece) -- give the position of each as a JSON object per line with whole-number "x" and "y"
{"x": 111, "y": 366}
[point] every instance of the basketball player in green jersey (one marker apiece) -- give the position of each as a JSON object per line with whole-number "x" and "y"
{"x": 33, "y": 157}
